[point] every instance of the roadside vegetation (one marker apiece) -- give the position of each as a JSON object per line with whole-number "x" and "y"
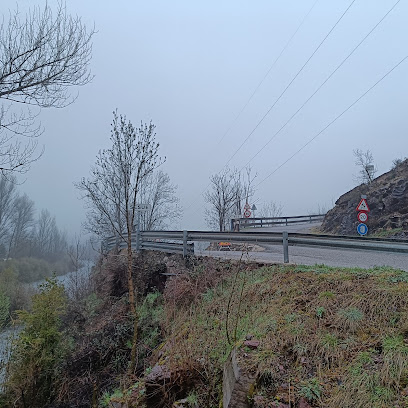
{"x": 328, "y": 337}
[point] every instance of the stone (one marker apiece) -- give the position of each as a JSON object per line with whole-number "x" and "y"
{"x": 303, "y": 403}
{"x": 252, "y": 344}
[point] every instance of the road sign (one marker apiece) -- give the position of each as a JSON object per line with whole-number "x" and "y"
{"x": 363, "y": 206}
{"x": 362, "y": 229}
{"x": 254, "y": 208}
{"x": 362, "y": 216}
{"x": 247, "y": 213}
{"x": 247, "y": 206}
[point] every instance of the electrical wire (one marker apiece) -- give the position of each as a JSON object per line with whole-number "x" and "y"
{"x": 323, "y": 83}
{"x": 284, "y": 91}
{"x": 290, "y": 83}
{"x": 267, "y": 73}
{"x": 334, "y": 120}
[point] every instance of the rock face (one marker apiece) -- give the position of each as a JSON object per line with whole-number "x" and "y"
{"x": 387, "y": 198}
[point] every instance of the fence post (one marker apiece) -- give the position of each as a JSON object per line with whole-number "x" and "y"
{"x": 286, "y": 221}
{"x": 285, "y": 247}
{"x": 261, "y": 222}
{"x": 184, "y": 243}
{"x": 310, "y": 218}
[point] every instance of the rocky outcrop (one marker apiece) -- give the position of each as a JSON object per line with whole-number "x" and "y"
{"x": 387, "y": 198}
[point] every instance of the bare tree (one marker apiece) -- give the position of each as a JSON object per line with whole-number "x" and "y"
{"x": 113, "y": 190}
{"x": 228, "y": 191}
{"x": 42, "y": 55}
{"x": 270, "y": 209}
{"x": 397, "y": 162}
{"x": 21, "y": 226}
{"x": 365, "y": 162}
{"x": 158, "y": 192}
{"x": 8, "y": 194}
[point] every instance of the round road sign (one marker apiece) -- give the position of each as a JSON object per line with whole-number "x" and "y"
{"x": 362, "y": 229}
{"x": 247, "y": 213}
{"x": 362, "y": 216}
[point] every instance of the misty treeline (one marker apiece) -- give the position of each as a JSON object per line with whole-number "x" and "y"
{"x": 24, "y": 233}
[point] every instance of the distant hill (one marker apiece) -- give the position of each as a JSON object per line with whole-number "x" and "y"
{"x": 387, "y": 198}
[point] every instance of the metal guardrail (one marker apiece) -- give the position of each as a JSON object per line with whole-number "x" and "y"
{"x": 183, "y": 241}
{"x": 237, "y": 223}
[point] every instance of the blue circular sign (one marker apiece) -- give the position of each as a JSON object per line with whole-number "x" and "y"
{"x": 362, "y": 229}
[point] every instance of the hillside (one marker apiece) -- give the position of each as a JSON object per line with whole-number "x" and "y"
{"x": 387, "y": 198}
{"x": 298, "y": 336}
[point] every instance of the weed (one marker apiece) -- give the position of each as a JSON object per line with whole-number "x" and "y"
{"x": 320, "y": 311}
{"x": 300, "y": 349}
{"x": 351, "y": 316}
{"x": 329, "y": 341}
{"x": 192, "y": 399}
{"x": 290, "y": 318}
{"x": 311, "y": 390}
{"x": 107, "y": 398}
{"x": 393, "y": 344}
{"x": 327, "y": 294}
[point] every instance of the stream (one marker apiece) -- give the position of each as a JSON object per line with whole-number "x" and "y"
{"x": 7, "y": 333}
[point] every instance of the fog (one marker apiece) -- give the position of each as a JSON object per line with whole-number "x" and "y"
{"x": 190, "y": 67}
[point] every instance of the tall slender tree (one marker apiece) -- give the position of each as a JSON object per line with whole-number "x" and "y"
{"x": 113, "y": 189}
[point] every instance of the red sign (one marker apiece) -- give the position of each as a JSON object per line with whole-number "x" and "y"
{"x": 363, "y": 206}
{"x": 362, "y": 216}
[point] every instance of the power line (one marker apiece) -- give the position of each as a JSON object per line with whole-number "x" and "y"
{"x": 260, "y": 83}
{"x": 286, "y": 88}
{"x": 334, "y": 120}
{"x": 290, "y": 83}
{"x": 267, "y": 73}
{"x": 323, "y": 83}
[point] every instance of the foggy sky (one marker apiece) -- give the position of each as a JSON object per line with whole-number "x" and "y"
{"x": 191, "y": 66}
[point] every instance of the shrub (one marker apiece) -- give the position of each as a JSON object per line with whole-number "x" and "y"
{"x": 38, "y": 349}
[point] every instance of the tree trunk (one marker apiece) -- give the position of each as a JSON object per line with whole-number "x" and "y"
{"x": 132, "y": 303}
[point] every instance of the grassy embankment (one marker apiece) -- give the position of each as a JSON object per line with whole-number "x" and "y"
{"x": 334, "y": 337}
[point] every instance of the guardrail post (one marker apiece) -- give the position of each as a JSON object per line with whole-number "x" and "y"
{"x": 185, "y": 243}
{"x": 310, "y": 218}
{"x": 286, "y": 221}
{"x": 285, "y": 247}
{"x": 138, "y": 235}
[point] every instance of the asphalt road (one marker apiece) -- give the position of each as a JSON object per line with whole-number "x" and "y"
{"x": 315, "y": 255}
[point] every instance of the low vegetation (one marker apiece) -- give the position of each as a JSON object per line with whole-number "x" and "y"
{"x": 328, "y": 337}
{"x": 38, "y": 350}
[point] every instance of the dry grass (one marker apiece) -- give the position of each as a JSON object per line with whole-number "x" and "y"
{"x": 344, "y": 329}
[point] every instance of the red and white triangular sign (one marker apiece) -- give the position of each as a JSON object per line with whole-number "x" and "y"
{"x": 363, "y": 206}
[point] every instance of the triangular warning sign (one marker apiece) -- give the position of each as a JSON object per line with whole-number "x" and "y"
{"x": 363, "y": 206}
